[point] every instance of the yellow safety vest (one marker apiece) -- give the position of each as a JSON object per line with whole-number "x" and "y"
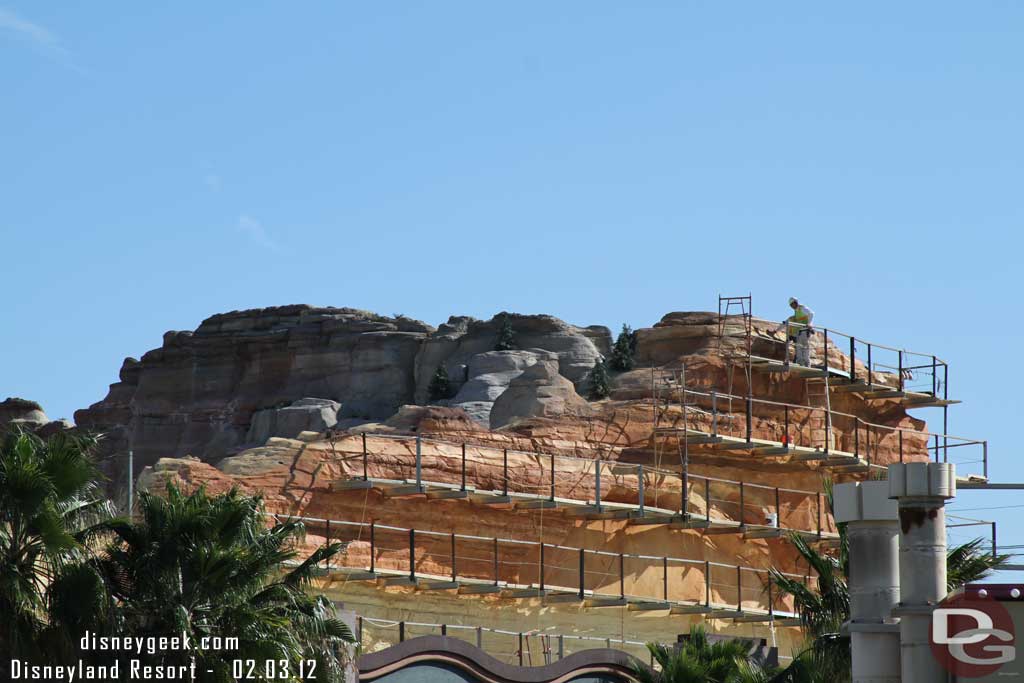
{"x": 801, "y": 320}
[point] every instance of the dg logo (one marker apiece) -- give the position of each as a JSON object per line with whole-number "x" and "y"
{"x": 973, "y": 636}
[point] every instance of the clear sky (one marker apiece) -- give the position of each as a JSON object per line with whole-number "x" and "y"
{"x": 602, "y": 162}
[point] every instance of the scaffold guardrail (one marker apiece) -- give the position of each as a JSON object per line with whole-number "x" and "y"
{"x": 877, "y": 371}
{"x": 512, "y": 647}
{"x": 586, "y": 487}
{"x": 705, "y": 418}
{"x": 520, "y": 569}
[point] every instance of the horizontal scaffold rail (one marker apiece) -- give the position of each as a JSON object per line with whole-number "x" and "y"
{"x": 589, "y": 488}
{"x": 550, "y": 645}
{"x": 517, "y": 569}
{"x": 876, "y": 371}
{"x": 846, "y": 442}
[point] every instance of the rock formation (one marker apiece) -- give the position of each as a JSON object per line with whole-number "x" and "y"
{"x": 304, "y": 415}
{"x": 207, "y": 393}
{"x": 538, "y": 391}
{"x": 29, "y": 415}
{"x": 20, "y": 411}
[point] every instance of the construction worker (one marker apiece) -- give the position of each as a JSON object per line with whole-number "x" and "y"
{"x": 798, "y": 330}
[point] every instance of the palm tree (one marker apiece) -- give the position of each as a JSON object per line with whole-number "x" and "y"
{"x": 50, "y": 506}
{"x": 209, "y": 567}
{"x": 824, "y": 611}
{"x": 698, "y": 660}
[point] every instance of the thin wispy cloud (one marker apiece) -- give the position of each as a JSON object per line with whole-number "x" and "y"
{"x": 256, "y": 233}
{"x": 39, "y": 37}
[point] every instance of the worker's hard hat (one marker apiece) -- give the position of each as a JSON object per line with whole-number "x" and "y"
{"x": 792, "y": 300}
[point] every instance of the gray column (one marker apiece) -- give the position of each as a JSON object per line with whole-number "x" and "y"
{"x": 872, "y": 528}
{"x": 921, "y": 489}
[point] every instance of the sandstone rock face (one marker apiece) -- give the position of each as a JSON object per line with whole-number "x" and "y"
{"x": 197, "y": 393}
{"x": 304, "y": 415}
{"x": 20, "y": 411}
{"x": 489, "y": 376}
{"x": 539, "y": 391}
{"x": 457, "y": 342}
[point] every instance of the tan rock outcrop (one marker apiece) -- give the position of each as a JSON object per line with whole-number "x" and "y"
{"x": 539, "y": 391}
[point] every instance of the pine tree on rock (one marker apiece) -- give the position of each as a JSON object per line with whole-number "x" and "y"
{"x": 600, "y": 386}
{"x": 440, "y": 386}
{"x": 506, "y": 338}
{"x": 622, "y": 352}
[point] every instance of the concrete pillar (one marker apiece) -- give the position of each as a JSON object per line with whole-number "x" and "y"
{"x": 872, "y": 528}
{"x": 921, "y": 489}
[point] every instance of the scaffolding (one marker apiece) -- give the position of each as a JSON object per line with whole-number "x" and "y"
{"x": 581, "y": 487}
{"x": 706, "y": 419}
{"x": 550, "y": 572}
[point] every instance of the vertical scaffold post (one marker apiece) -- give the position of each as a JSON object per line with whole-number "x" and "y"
{"x": 899, "y": 375}
{"x": 401, "y": 631}
{"x": 622, "y": 576}
{"x": 778, "y": 509}
{"x": 707, "y": 498}
{"x": 739, "y": 589}
{"x": 901, "y": 444}
{"x": 583, "y": 572}
{"x": 984, "y": 458}
{"x": 561, "y": 646}
{"x": 707, "y": 583}
{"x": 463, "y": 488}
{"x": 750, "y": 418}
{"x": 373, "y": 548}
{"x": 771, "y": 600}
{"x": 419, "y": 461}
{"x": 597, "y": 481}
{"x": 328, "y": 545}
{"x": 640, "y": 489}
{"x": 541, "y": 578}
{"x": 853, "y": 360}
{"x": 870, "y": 378}
{"x": 994, "y": 551}
{"x": 714, "y": 413}
{"x": 552, "y": 477}
{"x": 664, "y": 578}
{"x": 480, "y": 637}
{"x": 785, "y": 428}
{"x": 520, "y": 649}
{"x": 504, "y": 469}
{"x": 935, "y": 377}
{"x": 819, "y": 514}
{"x": 856, "y": 436}
{"x": 454, "y": 560}
{"x": 824, "y": 351}
{"x": 366, "y": 460}
{"x": 497, "y": 580}
{"x": 740, "y": 517}
{"x": 412, "y": 555}
{"x": 359, "y": 630}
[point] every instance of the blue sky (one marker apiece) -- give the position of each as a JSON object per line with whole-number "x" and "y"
{"x": 603, "y": 162}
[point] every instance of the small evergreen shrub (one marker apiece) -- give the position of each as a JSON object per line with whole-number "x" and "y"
{"x": 440, "y": 386}
{"x": 622, "y": 352}
{"x": 506, "y": 338}
{"x": 600, "y": 386}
